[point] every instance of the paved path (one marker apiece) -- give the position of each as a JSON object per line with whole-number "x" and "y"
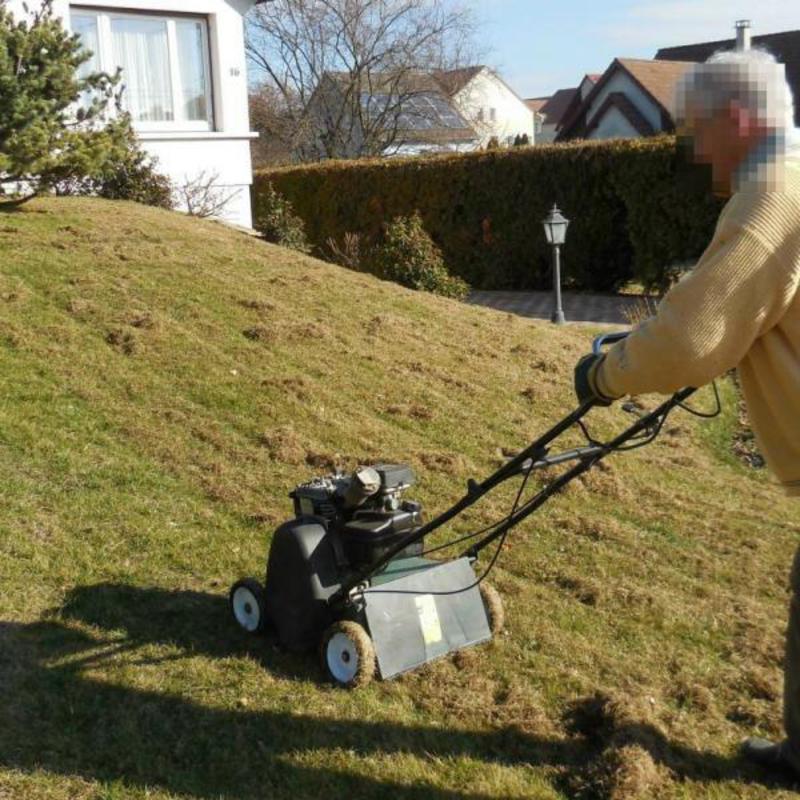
{"x": 578, "y": 307}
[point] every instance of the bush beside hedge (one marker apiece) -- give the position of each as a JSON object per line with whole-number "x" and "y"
{"x": 634, "y": 213}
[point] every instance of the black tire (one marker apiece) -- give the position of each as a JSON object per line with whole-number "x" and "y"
{"x": 247, "y": 605}
{"x": 348, "y": 655}
{"x": 493, "y": 604}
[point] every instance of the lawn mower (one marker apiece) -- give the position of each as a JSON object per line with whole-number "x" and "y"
{"x": 351, "y": 575}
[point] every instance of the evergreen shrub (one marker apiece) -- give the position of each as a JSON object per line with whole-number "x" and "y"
{"x": 276, "y": 221}
{"x": 407, "y": 255}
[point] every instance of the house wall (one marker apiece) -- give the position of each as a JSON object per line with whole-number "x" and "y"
{"x": 486, "y": 91}
{"x": 225, "y": 150}
{"x": 620, "y": 82}
{"x": 614, "y": 125}
{"x": 547, "y": 135}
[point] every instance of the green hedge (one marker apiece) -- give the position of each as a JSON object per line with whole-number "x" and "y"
{"x": 634, "y": 213}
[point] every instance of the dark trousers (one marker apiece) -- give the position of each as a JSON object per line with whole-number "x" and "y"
{"x": 791, "y": 679}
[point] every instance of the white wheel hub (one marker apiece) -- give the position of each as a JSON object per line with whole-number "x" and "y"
{"x": 246, "y": 609}
{"x": 342, "y": 657}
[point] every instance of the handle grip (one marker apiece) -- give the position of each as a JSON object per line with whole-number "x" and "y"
{"x": 606, "y": 339}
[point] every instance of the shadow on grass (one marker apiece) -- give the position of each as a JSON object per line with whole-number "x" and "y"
{"x": 56, "y": 716}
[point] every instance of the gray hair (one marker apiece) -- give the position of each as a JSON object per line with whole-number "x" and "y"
{"x": 753, "y": 78}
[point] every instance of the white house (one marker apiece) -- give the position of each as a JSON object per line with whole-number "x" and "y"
{"x": 489, "y": 104}
{"x": 185, "y": 81}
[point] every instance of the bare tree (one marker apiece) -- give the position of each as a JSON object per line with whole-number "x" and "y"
{"x": 355, "y": 77}
{"x": 278, "y": 134}
{"x": 202, "y": 196}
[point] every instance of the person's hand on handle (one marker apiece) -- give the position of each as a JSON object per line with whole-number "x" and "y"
{"x": 586, "y": 381}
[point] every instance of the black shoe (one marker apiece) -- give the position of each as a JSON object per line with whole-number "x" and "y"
{"x": 768, "y": 754}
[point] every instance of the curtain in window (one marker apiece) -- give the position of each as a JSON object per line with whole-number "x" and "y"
{"x": 141, "y": 49}
{"x": 190, "y": 35}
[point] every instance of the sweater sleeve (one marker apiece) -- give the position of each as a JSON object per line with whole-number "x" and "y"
{"x": 707, "y": 323}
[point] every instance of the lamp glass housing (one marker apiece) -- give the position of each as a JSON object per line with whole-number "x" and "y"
{"x": 555, "y": 227}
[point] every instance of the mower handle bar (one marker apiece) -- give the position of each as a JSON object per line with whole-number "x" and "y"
{"x": 607, "y": 338}
{"x": 533, "y": 456}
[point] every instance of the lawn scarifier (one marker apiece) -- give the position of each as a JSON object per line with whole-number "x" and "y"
{"x": 350, "y": 574}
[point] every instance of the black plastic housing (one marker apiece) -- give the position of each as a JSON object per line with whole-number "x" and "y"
{"x": 370, "y": 533}
{"x": 301, "y": 576}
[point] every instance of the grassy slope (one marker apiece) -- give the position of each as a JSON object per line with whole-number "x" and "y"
{"x": 165, "y": 382}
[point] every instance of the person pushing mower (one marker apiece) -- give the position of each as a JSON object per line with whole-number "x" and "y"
{"x": 740, "y": 306}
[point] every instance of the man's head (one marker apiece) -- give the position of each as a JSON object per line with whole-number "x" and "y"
{"x": 737, "y": 112}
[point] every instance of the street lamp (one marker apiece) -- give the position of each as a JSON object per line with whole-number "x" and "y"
{"x": 555, "y": 230}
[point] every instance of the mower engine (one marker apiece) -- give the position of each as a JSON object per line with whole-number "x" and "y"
{"x": 364, "y": 512}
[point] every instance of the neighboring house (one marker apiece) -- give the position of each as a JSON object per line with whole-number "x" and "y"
{"x": 632, "y": 98}
{"x": 416, "y": 112}
{"x": 784, "y": 46}
{"x": 183, "y": 69}
{"x": 535, "y": 104}
{"x": 401, "y": 114}
{"x": 489, "y": 104}
{"x": 554, "y": 110}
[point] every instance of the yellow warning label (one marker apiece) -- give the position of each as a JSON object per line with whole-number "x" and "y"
{"x": 428, "y": 618}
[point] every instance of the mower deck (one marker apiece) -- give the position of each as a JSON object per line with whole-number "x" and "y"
{"x": 418, "y": 610}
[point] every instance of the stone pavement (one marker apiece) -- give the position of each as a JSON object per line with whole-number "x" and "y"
{"x": 578, "y": 307}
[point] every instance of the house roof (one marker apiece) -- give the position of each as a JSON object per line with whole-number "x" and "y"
{"x": 536, "y": 103}
{"x": 454, "y": 80}
{"x": 785, "y": 46}
{"x": 556, "y": 106}
{"x": 427, "y": 114}
{"x": 657, "y": 79}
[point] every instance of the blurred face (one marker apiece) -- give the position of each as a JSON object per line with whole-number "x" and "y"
{"x": 722, "y": 140}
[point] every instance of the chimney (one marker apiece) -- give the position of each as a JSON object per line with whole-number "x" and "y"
{"x": 743, "y": 34}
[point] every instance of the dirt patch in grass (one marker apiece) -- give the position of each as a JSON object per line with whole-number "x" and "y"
{"x": 309, "y": 330}
{"x": 411, "y": 410}
{"x": 328, "y": 462}
{"x": 582, "y": 589}
{"x": 284, "y": 445}
{"x": 122, "y": 341}
{"x": 260, "y": 306}
{"x": 296, "y": 386}
{"x": 143, "y": 320}
{"x": 446, "y": 462}
{"x": 625, "y": 773}
{"x": 260, "y": 333}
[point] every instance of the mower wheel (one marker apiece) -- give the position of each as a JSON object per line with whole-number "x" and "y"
{"x": 493, "y": 604}
{"x": 348, "y": 655}
{"x": 247, "y": 605}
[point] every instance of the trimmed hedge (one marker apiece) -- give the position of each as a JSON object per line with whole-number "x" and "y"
{"x": 635, "y": 213}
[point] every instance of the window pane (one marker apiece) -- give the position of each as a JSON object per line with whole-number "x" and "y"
{"x": 191, "y": 46}
{"x": 85, "y": 25}
{"x": 140, "y": 48}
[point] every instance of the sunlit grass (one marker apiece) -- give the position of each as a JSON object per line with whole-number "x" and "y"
{"x": 166, "y": 382}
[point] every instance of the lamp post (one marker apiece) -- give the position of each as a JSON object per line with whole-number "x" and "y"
{"x": 555, "y": 230}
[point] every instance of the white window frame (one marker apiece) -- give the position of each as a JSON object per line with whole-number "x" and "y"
{"x": 107, "y": 63}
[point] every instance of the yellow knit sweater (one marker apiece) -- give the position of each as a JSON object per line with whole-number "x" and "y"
{"x": 739, "y": 307}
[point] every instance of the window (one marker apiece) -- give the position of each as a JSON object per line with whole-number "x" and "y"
{"x": 493, "y": 114}
{"x": 164, "y": 61}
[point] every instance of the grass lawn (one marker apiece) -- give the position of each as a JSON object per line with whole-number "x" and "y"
{"x": 165, "y": 382}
